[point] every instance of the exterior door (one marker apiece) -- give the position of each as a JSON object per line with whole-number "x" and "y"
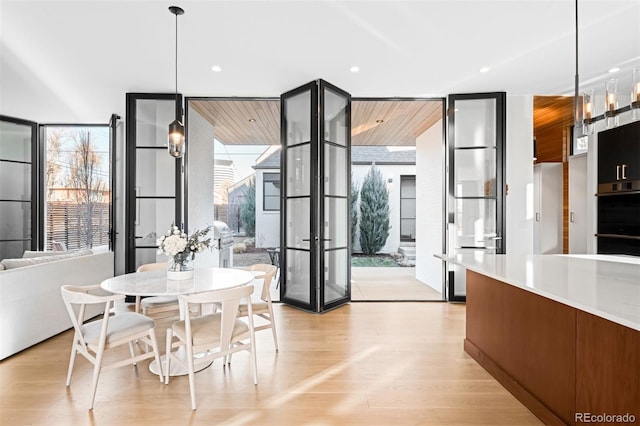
{"x": 476, "y": 187}
{"x": 154, "y": 179}
{"x": 19, "y": 188}
{"x": 315, "y": 181}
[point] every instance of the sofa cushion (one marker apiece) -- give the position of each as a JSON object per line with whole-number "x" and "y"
{"x": 28, "y": 254}
{"x": 1, "y": 267}
{"x": 20, "y": 263}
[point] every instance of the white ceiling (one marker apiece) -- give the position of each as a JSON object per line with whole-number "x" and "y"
{"x": 88, "y": 54}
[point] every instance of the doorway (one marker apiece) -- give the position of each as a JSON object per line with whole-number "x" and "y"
{"x": 408, "y": 142}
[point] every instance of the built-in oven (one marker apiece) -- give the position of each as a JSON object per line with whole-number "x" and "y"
{"x": 619, "y": 223}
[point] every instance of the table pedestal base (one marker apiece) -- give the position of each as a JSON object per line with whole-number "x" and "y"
{"x": 176, "y": 368}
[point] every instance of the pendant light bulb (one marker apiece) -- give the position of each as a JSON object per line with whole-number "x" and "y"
{"x": 176, "y": 141}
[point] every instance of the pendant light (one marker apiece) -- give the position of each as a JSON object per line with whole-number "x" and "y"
{"x": 176, "y": 145}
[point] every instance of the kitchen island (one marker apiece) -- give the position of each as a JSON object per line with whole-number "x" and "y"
{"x": 560, "y": 332}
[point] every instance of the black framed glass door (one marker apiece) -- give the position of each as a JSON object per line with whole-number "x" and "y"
{"x": 154, "y": 179}
{"x": 316, "y": 180}
{"x": 476, "y": 186}
{"x": 18, "y": 186}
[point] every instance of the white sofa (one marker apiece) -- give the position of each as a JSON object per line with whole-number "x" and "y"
{"x": 31, "y": 307}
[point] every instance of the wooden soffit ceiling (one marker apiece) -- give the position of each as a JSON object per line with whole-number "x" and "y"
{"x": 374, "y": 122}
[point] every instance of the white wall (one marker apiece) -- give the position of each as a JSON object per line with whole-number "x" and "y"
{"x": 267, "y": 222}
{"x": 200, "y": 180}
{"x": 429, "y": 192}
{"x": 519, "y": 175}
{"x": 392, "y": 172}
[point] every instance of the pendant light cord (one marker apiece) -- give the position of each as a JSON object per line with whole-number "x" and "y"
{"x": 177, "y": 56}
{"x": 577, "y": 82}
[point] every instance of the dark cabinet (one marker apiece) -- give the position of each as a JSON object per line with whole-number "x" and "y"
{"x": 619, "y": 156}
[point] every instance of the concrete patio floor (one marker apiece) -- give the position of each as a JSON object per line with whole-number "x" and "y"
{"x": 378, "y": 284}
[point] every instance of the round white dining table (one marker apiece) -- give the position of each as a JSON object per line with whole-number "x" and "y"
{"x": 155, "y": 283}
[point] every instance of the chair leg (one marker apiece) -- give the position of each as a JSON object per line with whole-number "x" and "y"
{"x": 167, "y": 366}
{"x": 273, "y": 327}
{"x": 192, "y": 376}
{"x": 72, "y": 360}
{"x": 154, "y": 344}
{"x": 137, "y": 308}
{"x": 133, "y": 354}
{"x": 96, "y": 375}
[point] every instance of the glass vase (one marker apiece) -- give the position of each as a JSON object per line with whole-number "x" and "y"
{"x": 180, "y": 268}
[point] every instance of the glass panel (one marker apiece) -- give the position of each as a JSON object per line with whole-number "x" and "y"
{"x": 335, "y": 171}
{"x": 475, "y": 172}
{"x": 475, "y": 122}
{"x": 335, "y": 117}
{"x": 155, "y": 173}
{"x": 16, "y": 142}
{"x": 154, "y": 217}
{"x": 149, "y": 255}
{"x": 408, "y": 228}
{"x": 297, "y": 112}
{"x": 475, "y": 224}
{"x": 299, "y": 170}
{"x": 152, "y": 120}
{"x": 298, "y": 223}
{"x": 408, "y": 188}
{"x": 336, "y": 222}
{"x": 335, "y": 275}
{"x": 16, "y": 220}
{"x": 298, "y": 276}
{"x": 13, "y": 249}
{"x": 15, "y": 181}
{"x": 408, "y": 207}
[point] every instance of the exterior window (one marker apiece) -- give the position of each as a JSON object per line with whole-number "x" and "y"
{"x": 271, "y": 191}
{"x": 77, "y": 187}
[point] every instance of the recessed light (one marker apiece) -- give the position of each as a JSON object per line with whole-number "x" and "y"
{"x": 379, "y": 121}
{"x": 216, "y": 68}
{"x": 252, "y": 120}
{"x": 614, "y": 69}
{"x": 354, "y": 68}
{"x": 485, "y": 69}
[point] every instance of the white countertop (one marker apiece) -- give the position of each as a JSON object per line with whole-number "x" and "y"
{"x": 606, "y": 286}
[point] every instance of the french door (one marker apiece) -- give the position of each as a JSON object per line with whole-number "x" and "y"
{"x": 315, "y": 201}
{"x": 476, "y": 186}
{"x": 154, "y": 179}
{"x": 19, "y": 188}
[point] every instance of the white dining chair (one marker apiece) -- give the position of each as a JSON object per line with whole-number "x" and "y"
{"x": 92, "y": 339}
{"x": 155, "y": 304}
{"x": 262, "y": 305}
{"x": 211, "y": 336}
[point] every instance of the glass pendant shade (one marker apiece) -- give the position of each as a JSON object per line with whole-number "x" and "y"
{"x": 587, "y": 112}
{"x": 635, "y": 94}
{"x": 176, "y": 145}
{"x": 611, "y": 102}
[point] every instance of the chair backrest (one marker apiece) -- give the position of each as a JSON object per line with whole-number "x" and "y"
{"x": 152, "y": 266}
{"x": 76, "y": 299}
{"x": 269, "y": 273}
{"x": 229, "y": 300}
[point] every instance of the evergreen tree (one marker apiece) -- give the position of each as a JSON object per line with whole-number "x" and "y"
{"x": 374, "y": 212}
{"x": 355, "y": 192}
{"x": 248, "y": 211}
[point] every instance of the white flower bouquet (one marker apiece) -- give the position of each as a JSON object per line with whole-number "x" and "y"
{"x": 182, "y": 247}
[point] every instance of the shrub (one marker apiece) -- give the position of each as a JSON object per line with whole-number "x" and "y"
{"x": 248, "y": 210}
{"x": 374, "y": 212}
{"x": 355, "y": 193}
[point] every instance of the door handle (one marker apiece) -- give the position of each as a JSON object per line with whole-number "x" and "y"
{"x": 495, "y": 238}
{"x": 624, "y": 171}
{"x": 537, "y": 217}
{"x": 572, "y": 217}
{"x": 618, "y": 172}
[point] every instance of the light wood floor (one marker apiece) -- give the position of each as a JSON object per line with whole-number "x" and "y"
{"x": 362, "y": 364}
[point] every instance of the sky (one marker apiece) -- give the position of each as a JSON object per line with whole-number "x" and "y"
{"x": 243, "y": 156}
